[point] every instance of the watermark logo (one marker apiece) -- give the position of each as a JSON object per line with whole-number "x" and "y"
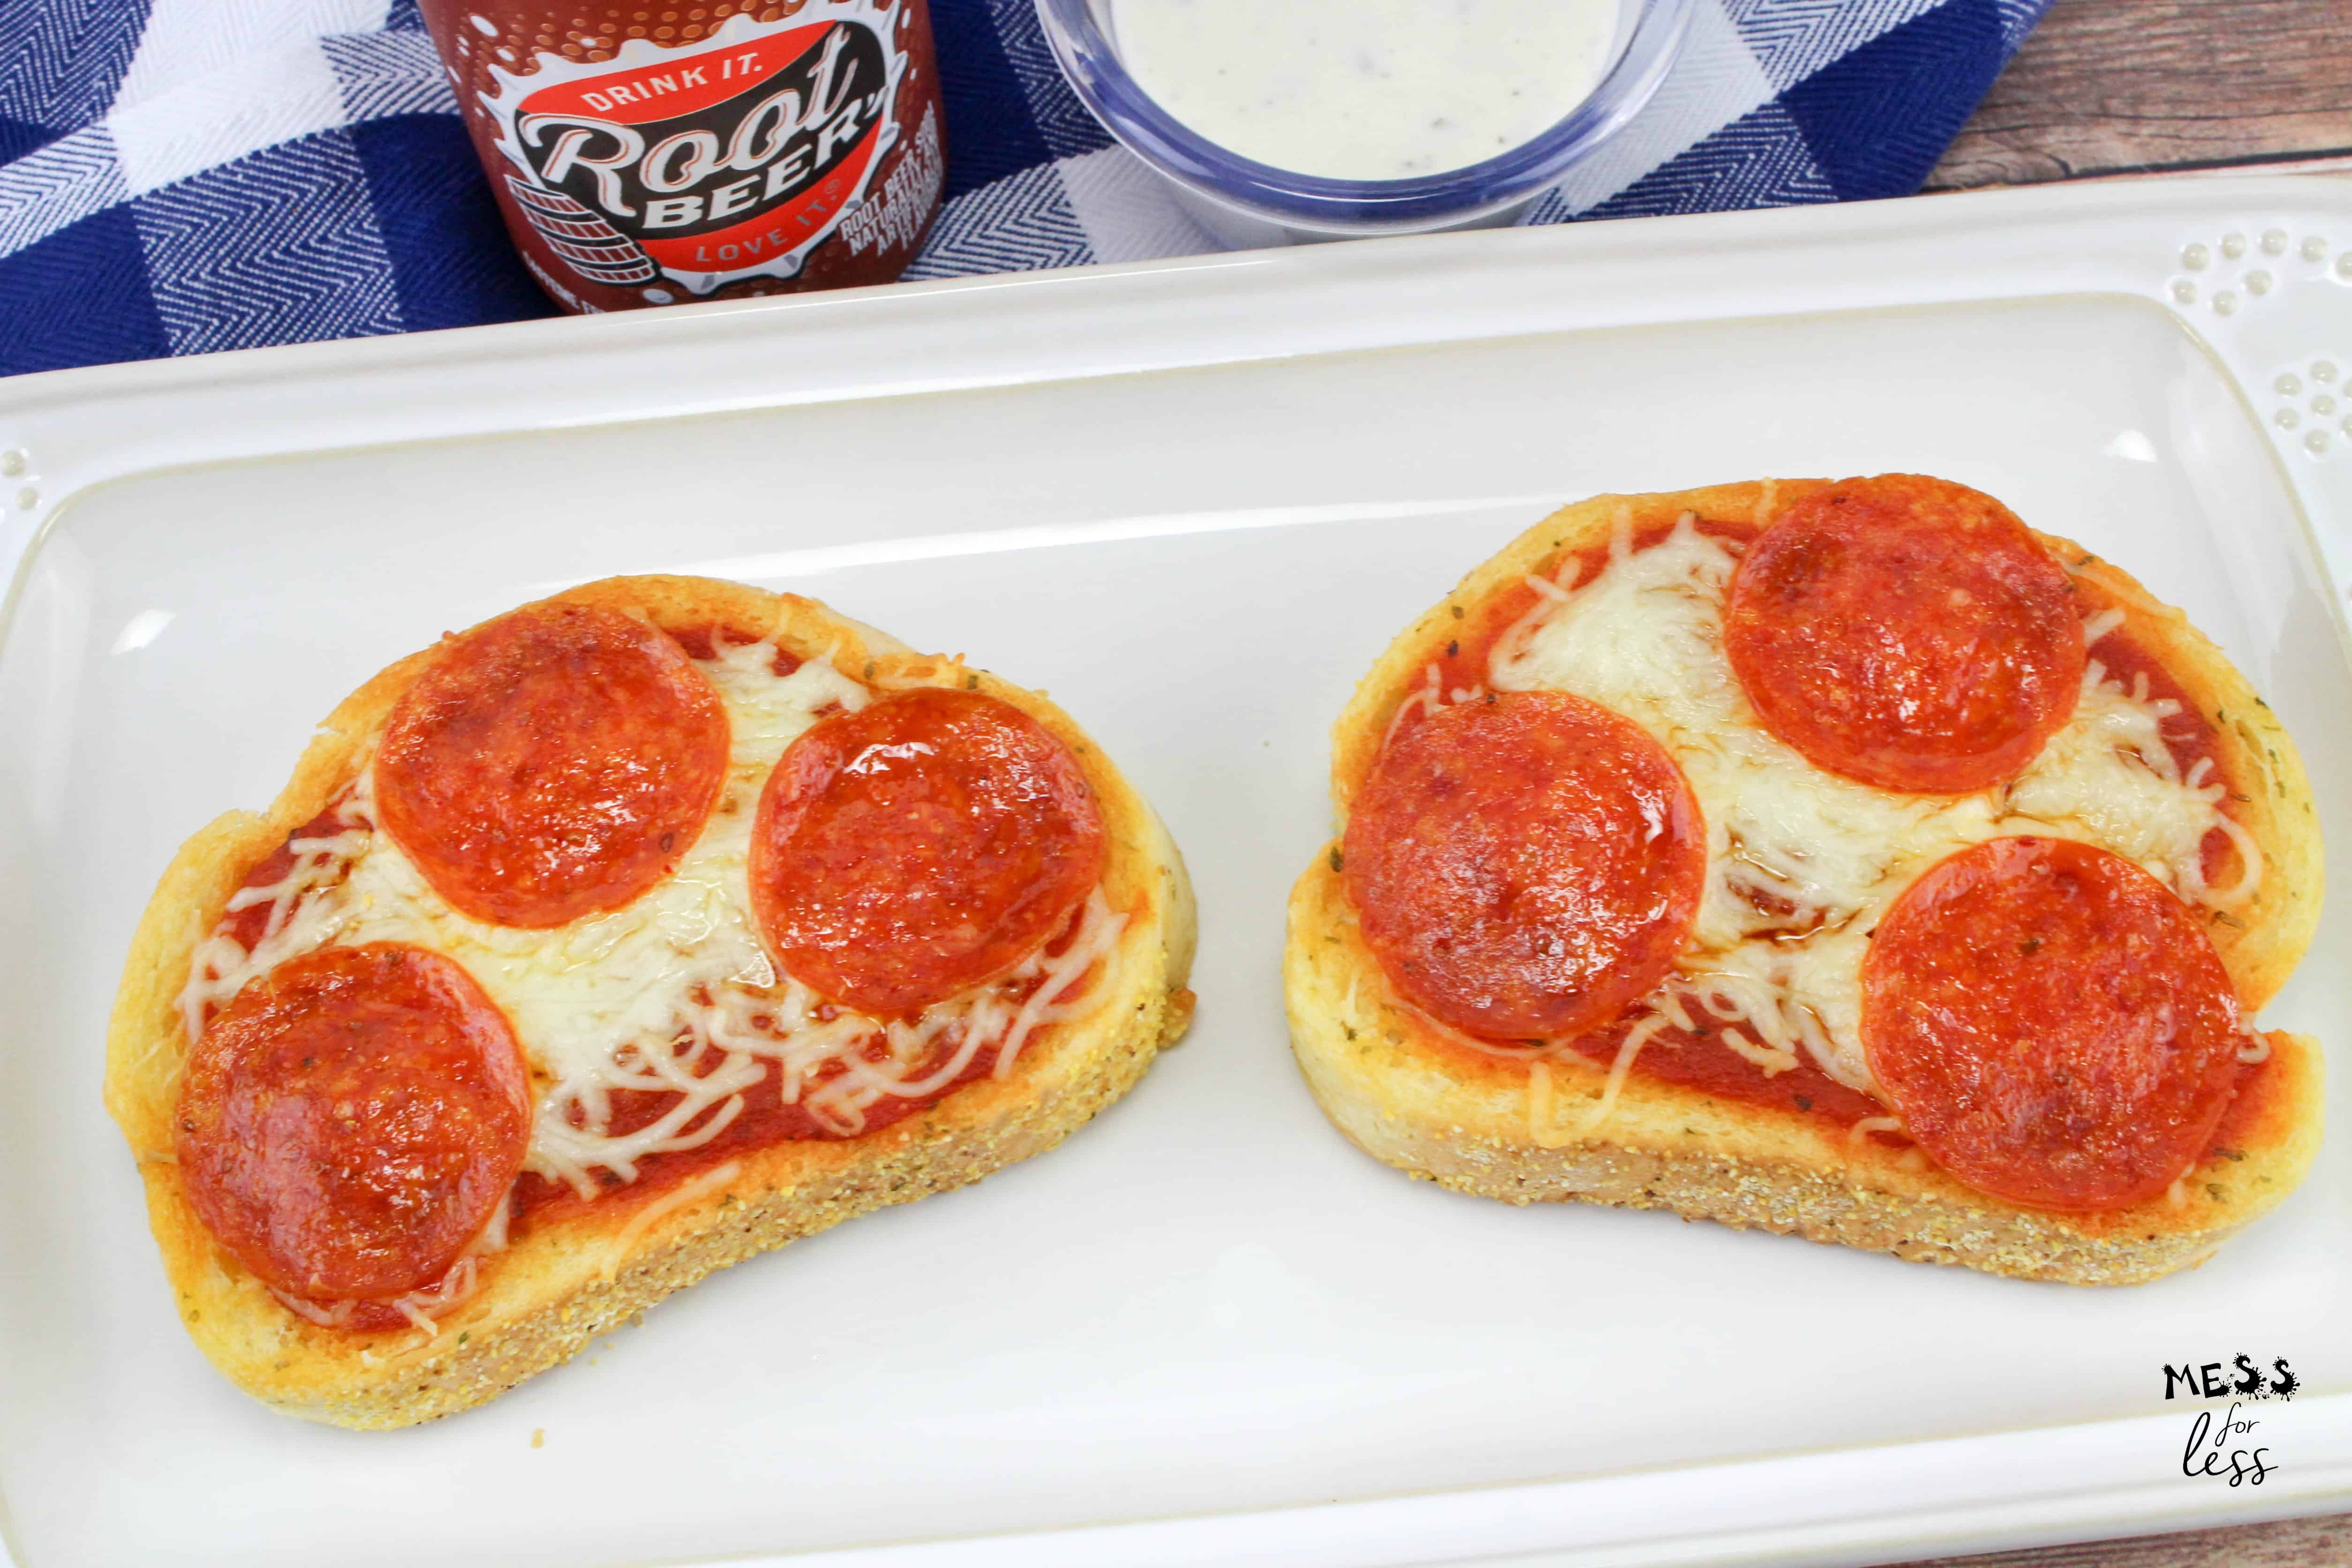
{"x": 2228, "y": 1449}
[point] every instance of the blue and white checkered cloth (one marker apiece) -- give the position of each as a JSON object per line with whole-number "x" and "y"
{"x": 182, "y": 176}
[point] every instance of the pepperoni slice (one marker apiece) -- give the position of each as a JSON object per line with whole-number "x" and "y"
{"x": 351, "y": 1120}
{"x": 1525, "y": 867}
{"x": 926, "y": 844}
{"x": 2051, "y": 1023}
{"x": 552, "y": 764}
{"x": 1906, "y": 632}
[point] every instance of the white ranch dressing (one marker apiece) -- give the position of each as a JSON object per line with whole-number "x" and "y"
{"x": 1366, "y": 89}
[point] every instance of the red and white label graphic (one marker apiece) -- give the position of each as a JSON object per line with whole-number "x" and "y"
{"x": 733, "y": 160}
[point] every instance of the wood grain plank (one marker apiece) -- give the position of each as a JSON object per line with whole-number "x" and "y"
{"x": 2285, "y": 1543}
{"x": 2110, "y": 86}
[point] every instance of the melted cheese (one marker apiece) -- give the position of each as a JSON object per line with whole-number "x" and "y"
{"x": 674, "y": 994}
{"x": 1802, "y": 864}
{"x": 575, "y": 993}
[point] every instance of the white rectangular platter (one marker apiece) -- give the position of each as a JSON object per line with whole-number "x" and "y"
{"x": 1193, "y": 501}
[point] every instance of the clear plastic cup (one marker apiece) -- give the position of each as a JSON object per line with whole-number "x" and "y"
{"x": 1243, "y": 201}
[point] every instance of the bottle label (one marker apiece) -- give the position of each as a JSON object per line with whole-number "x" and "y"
{"x": 733, "y": 158}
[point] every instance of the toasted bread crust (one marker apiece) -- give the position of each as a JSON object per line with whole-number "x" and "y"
{"x": 565, "y": 1280}
{"x": 1404, "y": 1093}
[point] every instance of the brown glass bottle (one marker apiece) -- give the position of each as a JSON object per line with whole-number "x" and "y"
{"x": 664, "y": 151}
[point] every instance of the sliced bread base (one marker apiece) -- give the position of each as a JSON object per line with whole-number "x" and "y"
{"x": 559, "y": 1284}
{"x": 1411, "y": 1098}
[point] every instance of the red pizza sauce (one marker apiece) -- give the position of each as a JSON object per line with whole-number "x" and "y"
{"x": 247, "y": 925}
{"x": 766, "y": 1120}
{"x": 1698, "y": 1059}
{"x": 1466, "y": 660}
{"x": 706, "y": 643}
{"x": 2188, "y": 734}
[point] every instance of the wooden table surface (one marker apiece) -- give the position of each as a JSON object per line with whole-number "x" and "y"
{"x": 2107, "y": 88}
{"x": 2111, "y": 88}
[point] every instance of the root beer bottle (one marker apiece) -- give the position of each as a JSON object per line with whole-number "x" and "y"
{"x": 654, "y": 152}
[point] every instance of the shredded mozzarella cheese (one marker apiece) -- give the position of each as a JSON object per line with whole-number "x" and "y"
{"x": 1802, "y": 864}
{"x": 675, "y": 993}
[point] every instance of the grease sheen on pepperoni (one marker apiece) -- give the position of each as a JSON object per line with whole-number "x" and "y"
{"x": 552, "y": 764}
{"x": 1525, "y": 867}
{"x": 350, "y": 1122}
{"x": 1907, "y": 632}
{"x": 926, "y": 844}
{"x": 2052, "y": 1024}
